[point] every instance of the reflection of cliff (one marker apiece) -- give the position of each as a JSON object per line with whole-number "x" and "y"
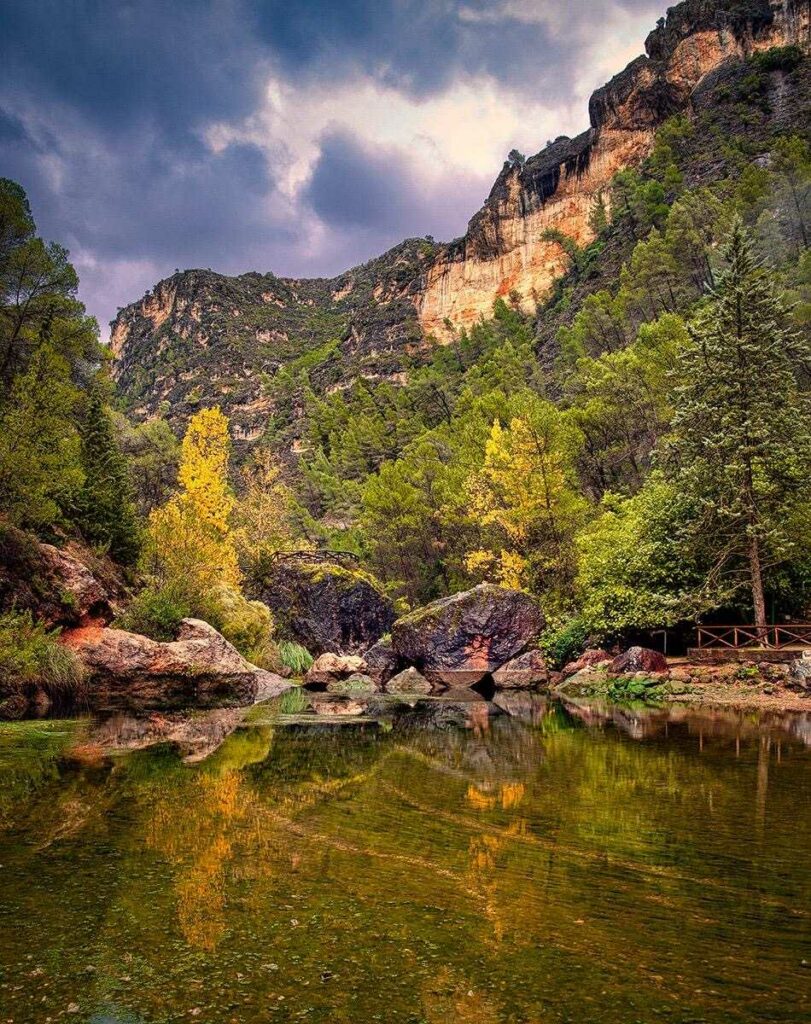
{"x": 506, "y": 247}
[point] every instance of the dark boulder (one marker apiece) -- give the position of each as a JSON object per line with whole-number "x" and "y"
{"x": 458, "y": 640}
{"x": 638, "y": 659}
{"x": 324, "y": 605}
{"x": 382, "y": 661}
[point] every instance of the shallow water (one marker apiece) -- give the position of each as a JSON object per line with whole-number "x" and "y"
{"x": 563, "y": 866}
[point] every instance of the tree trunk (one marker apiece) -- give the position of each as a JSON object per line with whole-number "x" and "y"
{"x": 758, "y": 600}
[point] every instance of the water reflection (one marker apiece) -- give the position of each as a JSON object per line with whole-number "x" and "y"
{"x": 585, "y": 863}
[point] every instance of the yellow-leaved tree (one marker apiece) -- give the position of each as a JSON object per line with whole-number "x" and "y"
{"x": 525, "y": 499}
{"x": 191, "y": 545}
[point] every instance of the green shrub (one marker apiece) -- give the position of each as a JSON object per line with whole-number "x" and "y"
{"x": 248, "y": 625}
{"x": 157, "y": 613}
{"x": 564, "y": 643}
{"x": 779, "y": 58}
{"x": 31, "y": 655}
{"x": 295, "y": 657}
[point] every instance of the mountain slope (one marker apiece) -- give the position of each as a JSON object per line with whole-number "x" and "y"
{"x": 200, "y": 337}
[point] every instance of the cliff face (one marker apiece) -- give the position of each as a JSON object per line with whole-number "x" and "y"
{"x": 200, "y": 337}
{"x": 506, "y": 247}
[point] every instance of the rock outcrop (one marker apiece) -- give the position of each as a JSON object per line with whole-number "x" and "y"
{"x": 60, "y": 586}
{"x": 510, "y": 245}
{"x": 127, "y": 671}
{"x": 325, "y": 605}
{"x": 459, "y": 640}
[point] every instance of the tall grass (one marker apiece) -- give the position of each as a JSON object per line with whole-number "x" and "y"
{"x": 297, "y": 658}
{"x": 31, "y": 656}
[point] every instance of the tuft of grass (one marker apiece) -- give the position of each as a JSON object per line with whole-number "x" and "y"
{"x": 295, "y": 657}
{"x": 31, "y": 656}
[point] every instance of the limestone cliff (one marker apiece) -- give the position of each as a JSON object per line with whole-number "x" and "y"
{"x": 199, "y": 336}
{"x": 507, "y": 247}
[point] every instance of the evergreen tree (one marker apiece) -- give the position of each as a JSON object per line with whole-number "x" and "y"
{"x": 105, "y": 508}
{"x": 742, "y": 432}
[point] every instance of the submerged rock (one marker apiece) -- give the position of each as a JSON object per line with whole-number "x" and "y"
{"x": 526, "y": 672}
{"x": 356, "y": 683}
{"x": 200, "y": 669}
{"x": 324, "y": 605}
{"x": 638, "y": 659}
{"x": 458, "y": 640}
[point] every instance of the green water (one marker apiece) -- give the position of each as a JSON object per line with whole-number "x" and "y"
{"x": 557, "y": 867}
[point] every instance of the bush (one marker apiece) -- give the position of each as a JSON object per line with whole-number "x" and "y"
{"x": 295, "y": 657}
{"x": 157, "y": 613}
{"x": 31, "y": 656}
{"x": 779, "y": 58}
{"x": 565, "y": 643}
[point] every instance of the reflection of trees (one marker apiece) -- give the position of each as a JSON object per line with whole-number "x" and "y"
{"x": 423, "y": 867}
{"x": 193, "y": 829}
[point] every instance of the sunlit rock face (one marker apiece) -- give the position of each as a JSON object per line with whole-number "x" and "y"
{"x": 507, "y": 248}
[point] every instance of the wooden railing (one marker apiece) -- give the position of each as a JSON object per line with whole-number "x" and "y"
{"x": 773, "y": 637}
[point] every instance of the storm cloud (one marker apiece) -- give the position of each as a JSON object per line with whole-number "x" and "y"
{"x": 302, "y": 138}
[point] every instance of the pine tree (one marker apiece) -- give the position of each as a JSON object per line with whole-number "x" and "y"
{"x": 105, "y": 507}
{"x": 742, "y": 431}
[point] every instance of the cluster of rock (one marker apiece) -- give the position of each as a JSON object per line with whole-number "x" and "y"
{"x": 641, "y": 662}
{"x": 483, "y": 636}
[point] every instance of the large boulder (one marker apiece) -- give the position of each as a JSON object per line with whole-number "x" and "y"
{"x": 458, "y": 640}
{"x": 200, "y": 669}
{"x": 526, "y": 672}
{"x": 638, "y": 659}
{"x": 324, "y": 605}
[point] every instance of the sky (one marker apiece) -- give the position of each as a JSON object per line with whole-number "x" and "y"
{"x": 296, "y": 136}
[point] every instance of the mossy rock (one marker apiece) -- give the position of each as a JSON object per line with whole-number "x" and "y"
{"x": 324, "y": 604}
{"x": 476, "y": 631}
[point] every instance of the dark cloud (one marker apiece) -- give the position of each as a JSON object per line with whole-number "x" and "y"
{"x": 104, "y": 105}
{"x": 357, "y": 188}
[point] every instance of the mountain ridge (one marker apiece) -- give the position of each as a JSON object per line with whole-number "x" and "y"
{"x": 375, "y": 320}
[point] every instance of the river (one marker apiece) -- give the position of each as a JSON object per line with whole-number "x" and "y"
{"x": 576, "y": 864}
